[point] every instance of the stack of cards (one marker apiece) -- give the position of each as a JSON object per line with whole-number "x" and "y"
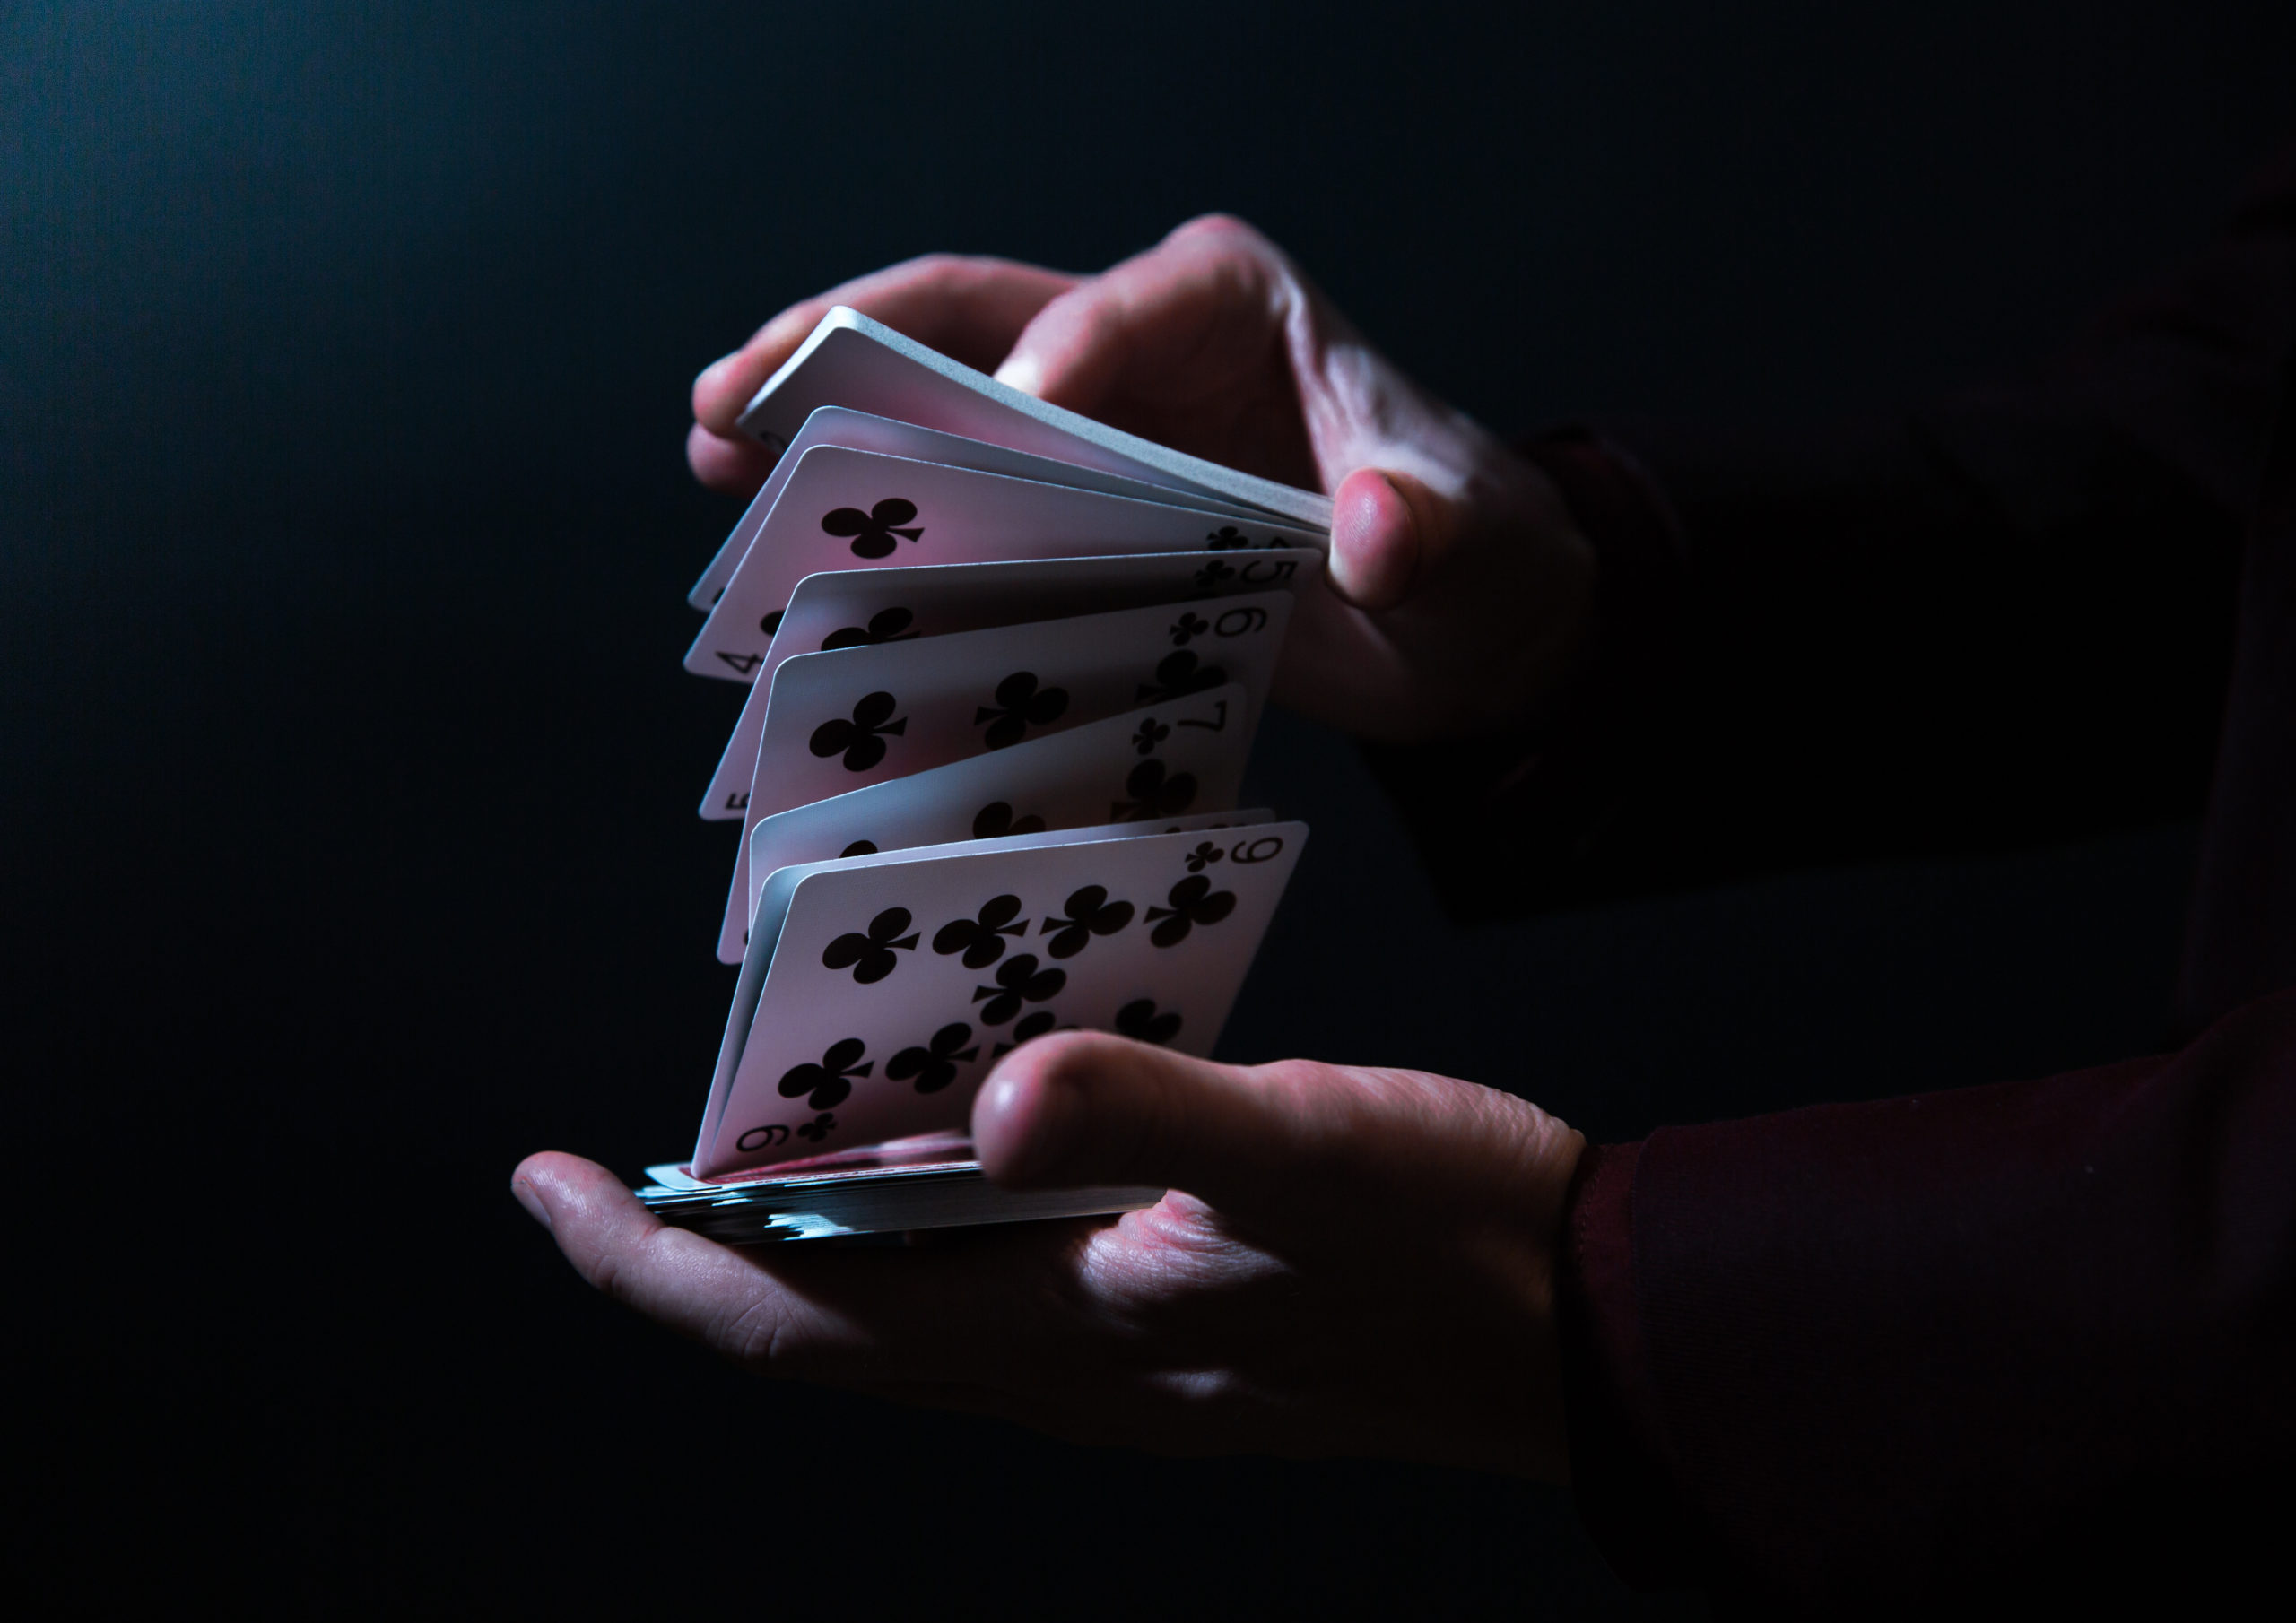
{"x": 1005, "y": 667}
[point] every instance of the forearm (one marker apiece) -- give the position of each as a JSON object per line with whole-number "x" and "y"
{"x": 1869, "y": 1349}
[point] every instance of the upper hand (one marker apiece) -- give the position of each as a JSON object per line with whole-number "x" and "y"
{"x": 1362, "y": 1264}
{"x": 1461, "y": 592}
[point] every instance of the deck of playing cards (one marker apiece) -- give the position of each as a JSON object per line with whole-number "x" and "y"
{"x": 1004, "y": 668}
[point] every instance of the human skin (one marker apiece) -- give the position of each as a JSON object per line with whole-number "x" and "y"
{"x": 1461, "y": 592}
{"x": 1352, "y": 1260}
{"x": 1362, "y": 1265}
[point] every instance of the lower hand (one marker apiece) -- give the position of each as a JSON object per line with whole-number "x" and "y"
{"x": 1362, "y": 1264}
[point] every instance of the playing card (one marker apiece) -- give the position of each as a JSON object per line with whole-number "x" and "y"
{"x": 772, "y": 909}
{"x": 843, "y": 720}
{"x": 851, "y": 609}
{"x": 1160, "y": 761}
{"x": 852, "y": 361}
{"x": 932, "y": 1181}
{"x": 860, "y": 431}
{"x": 893, "y": 984}
{"x": 836, "y": 721}
{"x": 845, "y": 509}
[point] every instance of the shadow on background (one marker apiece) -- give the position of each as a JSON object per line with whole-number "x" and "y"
{"x": 348, "y": 776}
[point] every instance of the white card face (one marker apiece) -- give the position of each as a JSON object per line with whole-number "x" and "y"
{"x": 860, "y": 608}
{"x": 841, "y": 721}
{"x": 860, "y": 431}
{"x": 895, "y": 984}
{"x": 773, "y": 909}
{"x": 855, "y": 608}
{"x": 1146, "y": 765}
{"x": 852, "y": 361}
{"x": 843, "y": 510}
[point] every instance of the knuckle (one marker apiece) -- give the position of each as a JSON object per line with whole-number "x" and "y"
{"x": 608, "y": 1271}
{"x": 935, "y": 266}
{"x": 757, "y": 1333}
{"x": 1084, "y": 317}
{"x": 1220, "y": 230}
{"x": 1330, "y": 1111}
{"x": 1299, "y": 1088}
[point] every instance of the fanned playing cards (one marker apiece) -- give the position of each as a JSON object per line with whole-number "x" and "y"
{"x": 1005, "y": 665}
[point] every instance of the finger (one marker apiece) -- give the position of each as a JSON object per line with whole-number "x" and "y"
{"x": 1208, "y": 294}
{"x": 698, "y": 1288}
{"x": 1072, "y": 1110}
{"x": 969, "y": 308}
{"x": 1267, "y": 1142}
{"x": 1380, "y": 537}
{"x": 735, "y": 466}
{"x": 849, "y": 1318}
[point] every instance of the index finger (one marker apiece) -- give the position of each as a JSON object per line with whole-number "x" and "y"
{"x": 698, "y": 1288}
{"x": 969, "y": 309}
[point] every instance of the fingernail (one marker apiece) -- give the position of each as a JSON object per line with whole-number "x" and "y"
{"x": 999, "y": 1097}
{"x": 1022, "y": 372}
{"x": 531, "y": 1199}
{"x": 997, "y": 1117}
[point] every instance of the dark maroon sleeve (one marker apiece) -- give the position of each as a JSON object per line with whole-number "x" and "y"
{"x": 1859, "y": 1353}
{"x": 1540, "y": 810}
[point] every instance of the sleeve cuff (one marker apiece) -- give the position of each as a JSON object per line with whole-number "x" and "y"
{"x": 1621, "y": 1467}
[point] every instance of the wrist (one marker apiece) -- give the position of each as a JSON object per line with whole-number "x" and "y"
{"x": 1639, "y": 564}
{"x": 1517, "y": 818}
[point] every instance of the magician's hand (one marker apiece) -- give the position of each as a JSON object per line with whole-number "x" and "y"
{"x": 1460, "y": 596}
{"x": 1362, "y": 1265}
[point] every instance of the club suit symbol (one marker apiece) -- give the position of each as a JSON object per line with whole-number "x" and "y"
{"x": 886, "y": 625}
{"x": 995, "y": 820}
{"x": 1021, "y": 704}
{"x": 1179, "y": 674}
{"x": 1227, "y": 538}
{"x": 1140, "y": 1021}
{"x": 1027, "y": 1027}
{"x": 819, "y": 1128}
{"x": 935, "y": 1063}
{"x": 870, "y": 956}
{"x": 1212, "y": 574}
{"x": 1204, "y": 854}
{"x": 1088, "y": 913}
{"x": 1151, "y": 734}
{"x": 862, "y": 739}
{"x": 1018, "y": 981}
{"x": 873, "y": 532}
{"x": 1188, "y": 627}
{"x": 1192, "y": 902}
{"x": 1154, "y": 793}
{"x": 825, "y": 1085}
{"x": 981, "y": 939}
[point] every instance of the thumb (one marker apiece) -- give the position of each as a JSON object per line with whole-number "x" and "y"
{"x": 1389, "y": 531}
{"x": 1080, "y": 1108}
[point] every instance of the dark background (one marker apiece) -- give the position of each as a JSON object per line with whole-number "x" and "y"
{"x": 346, "y": 843}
